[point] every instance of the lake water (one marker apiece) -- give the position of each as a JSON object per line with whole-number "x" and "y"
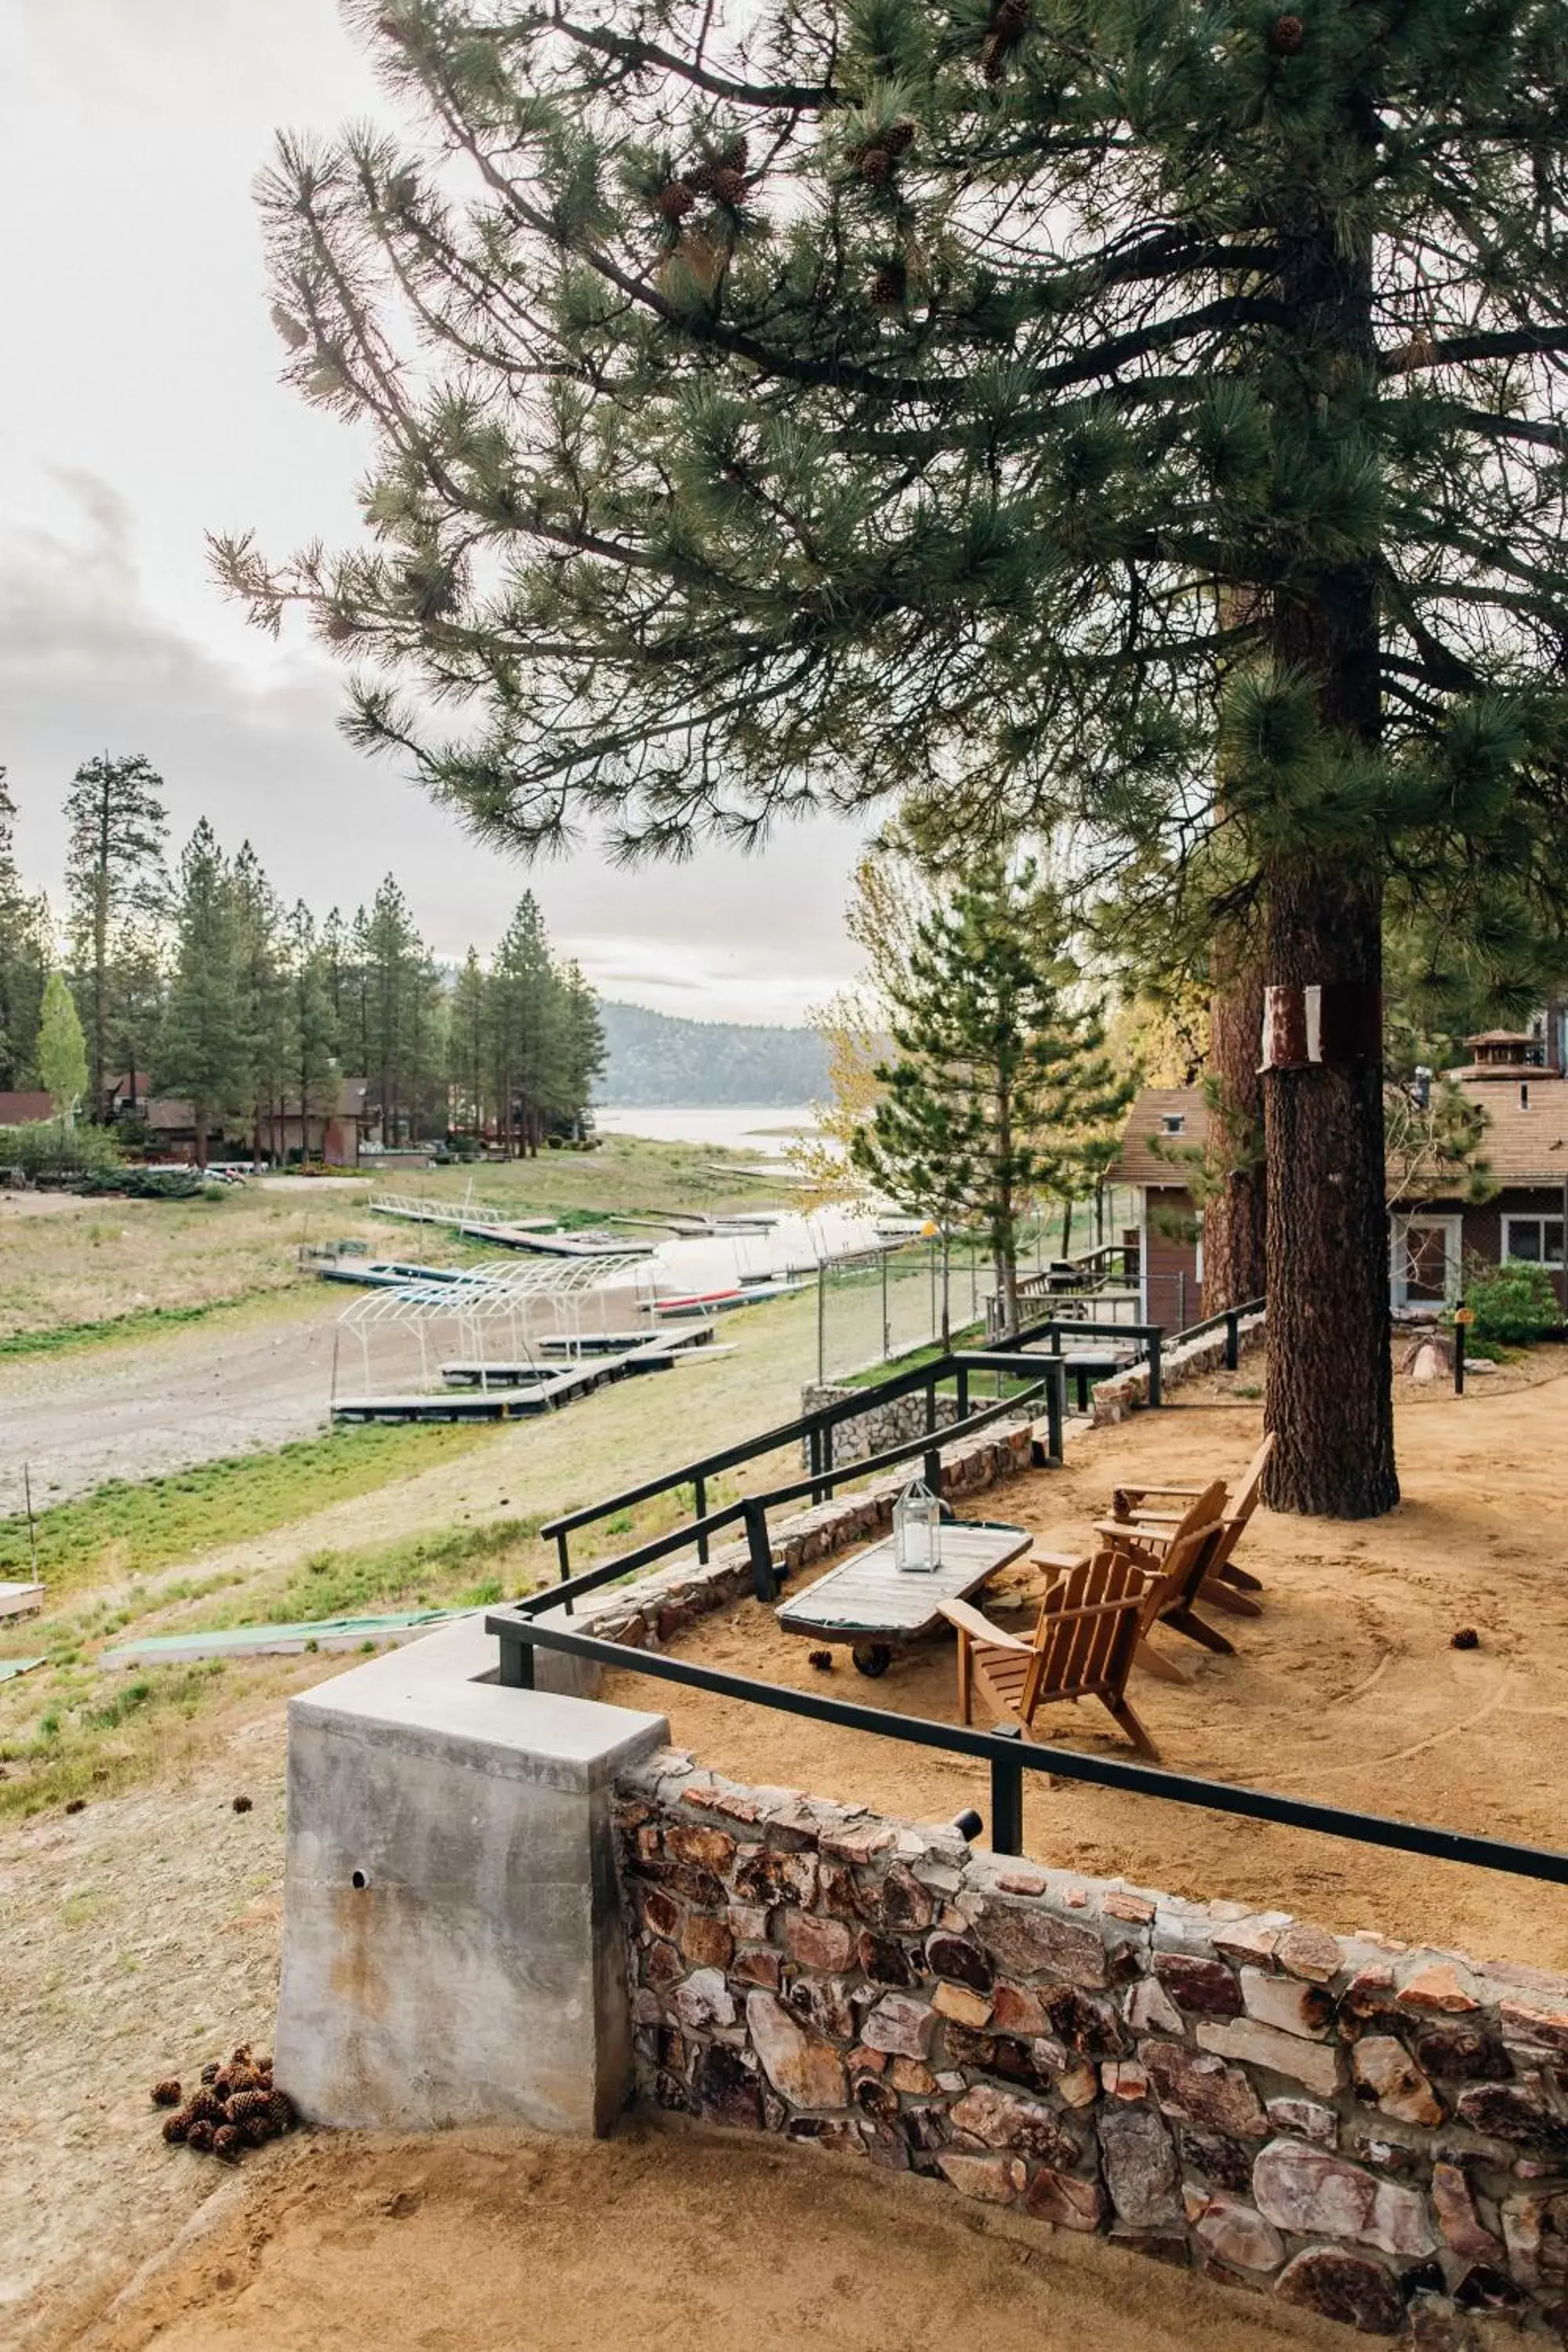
{"x": 762, "y": 1133}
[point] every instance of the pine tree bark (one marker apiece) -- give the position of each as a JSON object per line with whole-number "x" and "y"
{"x": 1330, "y": 1390}
{"x": 1329, "y": 1397}
{"x": 1234, "y": 1213}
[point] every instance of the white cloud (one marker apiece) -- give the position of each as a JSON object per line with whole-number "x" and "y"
{"x": 140, "y": 407}
{"x": 86, "y": 666}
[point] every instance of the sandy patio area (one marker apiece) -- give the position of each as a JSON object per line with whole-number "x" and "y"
{"x": 657, "y": 2238}
{"x": 1345, "y": 1689}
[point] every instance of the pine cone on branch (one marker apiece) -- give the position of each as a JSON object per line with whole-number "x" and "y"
{"x": 1286, "y": 37}
{"x": 875, "y": 165}
{"x": 888, "y": 290}
{"x": 674, "y": 202}
{"x": 736, "y": 155}
{"x": 1009, "y": 22}
{"x": 900, "y": 137}
{"x": 729, "y": 186}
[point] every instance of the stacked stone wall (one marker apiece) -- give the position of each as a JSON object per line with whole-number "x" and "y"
{"x": 882, "y": 1426}
{"x": 1377, "y": 2133}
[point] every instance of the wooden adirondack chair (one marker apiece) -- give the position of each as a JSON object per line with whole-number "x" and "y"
{"x": 1227, "y": 1585}
{"x": 1090, "y": 1628}
{"x": 1176, "y": 1568}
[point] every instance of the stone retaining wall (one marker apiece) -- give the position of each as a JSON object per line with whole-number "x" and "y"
{"x": 1128, "y": 1392}
{"x": 644, "y": 1615}
{"x": 881, "y": 1428}
{"x": 1377, "y": 2133}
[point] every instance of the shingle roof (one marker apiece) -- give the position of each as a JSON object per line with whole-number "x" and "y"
{"x": 1525, "y": 1147}
{"x": 1141, "y": 1162}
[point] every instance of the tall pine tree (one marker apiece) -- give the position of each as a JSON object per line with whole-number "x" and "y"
{"x": 203, "y": 1050}
{"x": 1000, "y": 1085}
{"x": 1042, "y": 413}
{"x": 114, "y": 876}
{"x": 24, "y": 949}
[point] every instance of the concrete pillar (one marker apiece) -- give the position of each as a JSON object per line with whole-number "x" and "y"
{"x": 453, "y": 1947}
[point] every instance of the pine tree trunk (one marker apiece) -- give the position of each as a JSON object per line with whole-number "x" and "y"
{"x": 1234, "y": 1213}
{"x": 1330, "y": 1388}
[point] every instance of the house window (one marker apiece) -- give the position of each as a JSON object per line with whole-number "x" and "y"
{"x": 1536, "y": 1241}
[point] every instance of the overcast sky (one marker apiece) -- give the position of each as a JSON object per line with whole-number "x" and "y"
{"x": 140, "y": 407}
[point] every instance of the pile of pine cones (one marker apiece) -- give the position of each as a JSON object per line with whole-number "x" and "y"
{"x": 236, "y": 2107}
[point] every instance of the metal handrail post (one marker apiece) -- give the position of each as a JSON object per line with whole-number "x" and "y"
{"x": 1156, "y": 1394}
{"x": 756, "y": 1514}
{"x": 1232, "y": 1339}
{"x": 700, "y": 1499}
{"x": 1007, "y": 1800}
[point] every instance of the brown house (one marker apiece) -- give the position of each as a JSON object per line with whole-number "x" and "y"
{"x": 1518, "y": 1077}
{"x": 171, "y": 1126}
{"x": 24, "y": 1110}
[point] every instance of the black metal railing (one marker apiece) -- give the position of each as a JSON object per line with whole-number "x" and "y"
{"x": 1017, "y": 1357}
{"x": 1008, "y": 1755}
{"x": 1231, "y": 1318}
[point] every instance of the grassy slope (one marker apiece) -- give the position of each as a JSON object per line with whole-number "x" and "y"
{"x": 96, "y": 1270}
{"x": 125, "y": 1530}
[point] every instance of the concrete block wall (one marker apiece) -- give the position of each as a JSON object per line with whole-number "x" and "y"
{"x": 1376, "y": 2133}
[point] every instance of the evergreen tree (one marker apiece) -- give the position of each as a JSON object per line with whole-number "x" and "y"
{"x": 24, "y": 952}
{"x": 114, "y": 874}
{"x": 583, "y": 1050}
{"x": 527, "y": 1030}
{"x": 263, "y": 989}
{"x": 203, "y": 1049}
{"x": 311, "y": 1026}
{"x": 398, "y": 1012}
{"x": 1001, "y": 1083}
{"x": 62, "y": 1050}
{"x": 470, "y": 1032}
{"x": 1044, "y": 415}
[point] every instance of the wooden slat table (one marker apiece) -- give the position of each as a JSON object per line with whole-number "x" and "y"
{"x": 877, "y": 1607}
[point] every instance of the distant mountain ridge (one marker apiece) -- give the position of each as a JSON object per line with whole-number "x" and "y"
{"x": 653, "y": 1058}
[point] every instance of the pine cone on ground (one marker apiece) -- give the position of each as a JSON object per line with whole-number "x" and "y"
{"x": 210, "y": 2071}
{"x": 280, "y": 2108}
{"x": 166, "y": 2094}
{"x": 264, "y": 2062}
{"x": 201, "y": 2136}
{"x": 674, "y": 202}
{"x": 245, "y": 2104}
{"x": 177, "y": 2127}
{"x": 255, "y": 2131}
{"x": 243, "y": 1804}
{"x": 1286, "y": 38}
{"x": 207, "y": 2103}
{"x": 227, "y": 2144}
{"x": 240, "y": 2054}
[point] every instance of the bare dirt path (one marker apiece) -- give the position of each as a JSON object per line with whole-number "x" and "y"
{"x": 139, "y": 1409}
{"x": 503, "y": 2242}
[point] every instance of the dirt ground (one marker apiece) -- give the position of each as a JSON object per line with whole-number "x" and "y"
{"x": 1345, "y": 1689}
{"x": 180, "y": 1397}
{"x": 503, "y": 2243}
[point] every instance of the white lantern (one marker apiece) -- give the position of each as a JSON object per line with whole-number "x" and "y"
{"x": 917, "y": 1530}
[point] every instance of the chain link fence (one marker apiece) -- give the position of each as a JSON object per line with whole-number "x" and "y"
{"x": 886, "y": 1302}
